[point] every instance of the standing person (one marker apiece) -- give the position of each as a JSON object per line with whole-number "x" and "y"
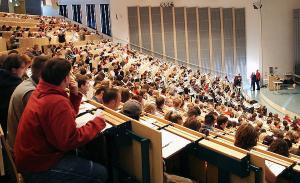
{"x": 258, "y": 79}
{"x": 10, "y": 77}
{"x": 47, "y": 131}
{"x": 253, "y": 81}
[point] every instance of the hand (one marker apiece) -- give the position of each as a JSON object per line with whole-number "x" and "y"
{"x": 73, "y": 86}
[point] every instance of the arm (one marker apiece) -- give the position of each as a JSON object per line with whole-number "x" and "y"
{"x": 26, "y": 98}
{"x": 62, "y": 133}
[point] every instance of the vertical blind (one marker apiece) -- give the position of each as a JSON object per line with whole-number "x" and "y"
{"x": 211, "y": 39}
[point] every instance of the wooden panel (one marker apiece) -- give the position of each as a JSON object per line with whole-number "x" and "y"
{"x": 29, "y": 42}
{"x": 2, "y": 44}
{"x": 131, "y": 156}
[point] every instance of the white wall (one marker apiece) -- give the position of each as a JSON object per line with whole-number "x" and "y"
{"x": 49, "y": 11}
{"x": 278, "y": 47}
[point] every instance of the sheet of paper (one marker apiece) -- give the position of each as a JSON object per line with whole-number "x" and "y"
{"x": 85, "y": 106}
{"x": 172, "y": 143}
{"x": 148, "y": 123}
{"x": 275, "y": 168}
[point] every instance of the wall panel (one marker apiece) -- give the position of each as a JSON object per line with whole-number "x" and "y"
{"x": 180, "y": 33}
{"x": 228, "y": 41}
{"x": 133, "y": 27}
{"x": 145, "y": 29}
{"x": 156, "y": 29}
{"x": 204, "y": 39}
{"x": 192, "y": 35}
{"x": 168, "y": 33}
{"x": 216, "y": 39}
{"x": 241, "y": 60}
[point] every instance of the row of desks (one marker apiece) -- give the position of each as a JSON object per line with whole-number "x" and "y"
{"x": 210, "y": 155}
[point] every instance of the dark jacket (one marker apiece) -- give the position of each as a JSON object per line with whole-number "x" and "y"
{"x": 8, "y": 84}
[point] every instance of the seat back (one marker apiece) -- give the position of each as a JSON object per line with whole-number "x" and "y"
{"x": 17, "y": 177}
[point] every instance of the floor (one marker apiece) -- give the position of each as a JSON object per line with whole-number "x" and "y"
{"x": 287, "y": 98}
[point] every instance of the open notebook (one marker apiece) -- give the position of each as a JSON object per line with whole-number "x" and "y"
{"x": 84, "y": 119}
{"x": 171, "y": 143}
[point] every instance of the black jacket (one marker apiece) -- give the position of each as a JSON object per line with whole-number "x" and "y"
{"x": 8, "y": 83}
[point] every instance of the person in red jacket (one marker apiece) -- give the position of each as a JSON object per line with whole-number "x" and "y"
{"x": 47, "y": 131}
{"x": 257, "y": 80}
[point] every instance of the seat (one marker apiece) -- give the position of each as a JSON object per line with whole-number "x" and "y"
{"x": 16, "y": 176}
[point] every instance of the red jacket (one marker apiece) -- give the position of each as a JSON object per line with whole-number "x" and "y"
{"x": 47, "y": 129}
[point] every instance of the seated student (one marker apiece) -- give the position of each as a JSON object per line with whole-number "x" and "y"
{"x": 192, "y": 124}
{"x": 112, "y": 98}
{"x": 125, "y": 95}
{"x": 47, "y": 131}
{"x": 133, "y": 109}
{"x": 150, "y": 108}
{"x": 83, "y": 85}
{"x": 174, "y": 117}
{"x": 10, "y": 78}
{"x": 98, "y": 97}
{"x": 20, "y": 98}
{"x": 193, "y": 112}
{"x": 221, "y": 122}
{"x": 209, "y": 122}
{"x": 160, "y": 102}
{"x": 279, "y": 146}
{"x": 246, "y": 136}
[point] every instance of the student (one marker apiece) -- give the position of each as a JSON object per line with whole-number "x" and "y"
{"x": 10, "y": 77}
{"x": 112, "y": 98}
{"x": 222, "y": 122}
{"x": 20, "y": 98}
{"x": 279, "y": 146}
{"x": 83, "y": 85}
{"x": 133, "y": 109}
{"x": 48, "y": 123}
{"x": 246, "y": 137}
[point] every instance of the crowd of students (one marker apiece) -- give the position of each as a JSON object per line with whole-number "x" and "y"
{"x": 46, "y": 27}
{"x": 39, "y": 108}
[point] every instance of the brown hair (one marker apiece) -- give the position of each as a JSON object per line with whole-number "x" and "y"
{"x": 173, "y": 117}
{"x": 279, "y": 146}
{"x": 192, "y": 124}
{"x": 246, "y": 136}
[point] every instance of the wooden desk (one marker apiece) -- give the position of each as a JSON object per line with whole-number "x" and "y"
{"x": 271, "y": 84}
{"x": 29, "y": 42}
{"x": 2, "y": 44}
{"x": 277, "y": 85}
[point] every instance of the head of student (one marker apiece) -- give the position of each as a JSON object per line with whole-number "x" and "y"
{"x": 111, "y": 98}
{"x": 15, "y": 65}
{"x": 246, "y": 136}
{"x": 37, "y": 66}
{"x": 57, "y": 72}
